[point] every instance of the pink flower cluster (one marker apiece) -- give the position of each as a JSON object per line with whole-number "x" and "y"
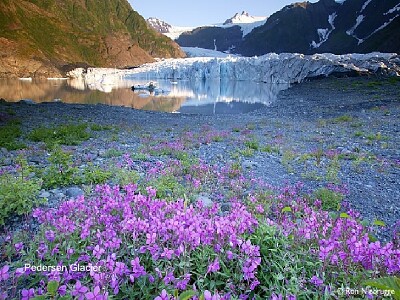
{"x": 122, "y": 230}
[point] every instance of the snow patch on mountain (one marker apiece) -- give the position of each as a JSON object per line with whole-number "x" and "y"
{"x": 340, "y": 1}
{"x": 365, "y": 5}
{"x": 382, "y": 26}
{"x": 176, "y": 31}
{"x": 350, "y": 32}
{"x": 392, "y": 10}
{"x": 159, "y": 25}
{"x": 324, "y": 33}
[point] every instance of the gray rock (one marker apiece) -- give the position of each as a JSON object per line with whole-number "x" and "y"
{"x": 44, "y": 194}
{"x": 74, "y": 192}
{"x": 27, "y": 101}
{"x": 205, "y": 198}
{"x": 248, "y": 164}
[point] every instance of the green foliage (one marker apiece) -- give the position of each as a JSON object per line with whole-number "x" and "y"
{"x": 390, "y": 285}
{"x": 167, "y": 186}
{"x": 271, "y": 149}
{"x": 9, "y": 134}
{"x": 124, "y": 177}
{"x": 285, "y": 267}
{"x": 252, "y": 144}
{"x": 113, "y": 153}
{"x": 68, "y": 134}
{"x": 139, "y": 156}
{"x": 287, "y": 160}
{"x": 247, "y": 152}
{"x": 332, "y": 170}
{"x": 95, "y": 175}
{"x": 186, "y": 295}
{"x": 98, "y": 127}
{"x": 78, "y": 31}
{"x": 18, "y": 194}
{"x": 330, "y": 200}
{"x": 60, "y": 172}
{"x": 343, "y": 119}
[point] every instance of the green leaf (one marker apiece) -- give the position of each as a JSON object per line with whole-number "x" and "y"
{"x": 344, "y": 215}
{"x": 379, "y": 223}
{"x": 287, "y": 209}
{"x": 42, "y": 297}
{"x": 386, "y": 284}
{"x": 186, "y": 295}
{"x": 372, "y": 238}
{"x": 364, "y": 223}
{"x": 52, "y": 287}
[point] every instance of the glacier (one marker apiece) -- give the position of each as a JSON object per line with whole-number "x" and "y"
{"x": 285, "y": 68}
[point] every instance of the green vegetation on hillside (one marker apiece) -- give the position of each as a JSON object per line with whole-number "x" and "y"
{"x": 96, "y": 33}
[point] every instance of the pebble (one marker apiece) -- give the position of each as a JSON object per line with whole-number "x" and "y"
{"x": 74, "y": 192}
{"x": 44, "y": 194}
{"x": 205, "y": 198}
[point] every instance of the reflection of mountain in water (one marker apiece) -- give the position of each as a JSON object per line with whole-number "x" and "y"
{"x": 182, "y": 96}
{"x": 75, "y": 91}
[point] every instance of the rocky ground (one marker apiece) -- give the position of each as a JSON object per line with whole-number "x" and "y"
{"x": 335, "y": 130}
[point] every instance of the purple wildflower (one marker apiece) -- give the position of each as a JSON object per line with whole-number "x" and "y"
{"x": 214, "y": 266}
{"x": 162, "y": 296}
{"x": 27, "y": 294}
{"x": 4, "y": 273}
{"x": 316, "y": 281}
{"x": 79, "y": 290}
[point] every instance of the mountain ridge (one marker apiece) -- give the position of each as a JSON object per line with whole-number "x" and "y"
{"x": 332, "y": 26}
{"x": 45, "y": 38}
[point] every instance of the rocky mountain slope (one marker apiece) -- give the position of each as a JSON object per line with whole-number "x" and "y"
{"x": 48, "y": 37}
{"x": 338, "y": 27}
{"x": 328, "y": 26}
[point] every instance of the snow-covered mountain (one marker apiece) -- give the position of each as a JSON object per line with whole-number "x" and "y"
{"x": 243, "y": 18}
{"x": 159, "y": 25}
{"x": 173, "y": 32}
{"x": 223, "y": 37}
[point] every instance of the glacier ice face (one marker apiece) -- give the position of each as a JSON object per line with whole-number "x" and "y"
{"x": 285, "y": 68}
{"x": 270, "y": 68}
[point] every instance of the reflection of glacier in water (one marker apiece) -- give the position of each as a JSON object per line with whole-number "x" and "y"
{"x": 197, "y": 97}
{"x": 220, "y": 96}
{"x": 225, "y": 96}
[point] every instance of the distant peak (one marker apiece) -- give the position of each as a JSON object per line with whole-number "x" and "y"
{"x": 242, "y": 18}
{"x": 159, "y": 25}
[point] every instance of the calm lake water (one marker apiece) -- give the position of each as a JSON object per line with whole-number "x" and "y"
{"x": 200, "y": 97}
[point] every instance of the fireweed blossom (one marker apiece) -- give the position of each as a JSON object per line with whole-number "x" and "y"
{"x": 136, "y": 238}
{"x": 148, "y": 223}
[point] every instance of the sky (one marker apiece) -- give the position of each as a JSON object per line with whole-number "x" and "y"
{"x": 204, "y": 12}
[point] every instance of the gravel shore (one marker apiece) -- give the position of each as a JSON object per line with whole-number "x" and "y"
{"x": 355, "y": 120}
